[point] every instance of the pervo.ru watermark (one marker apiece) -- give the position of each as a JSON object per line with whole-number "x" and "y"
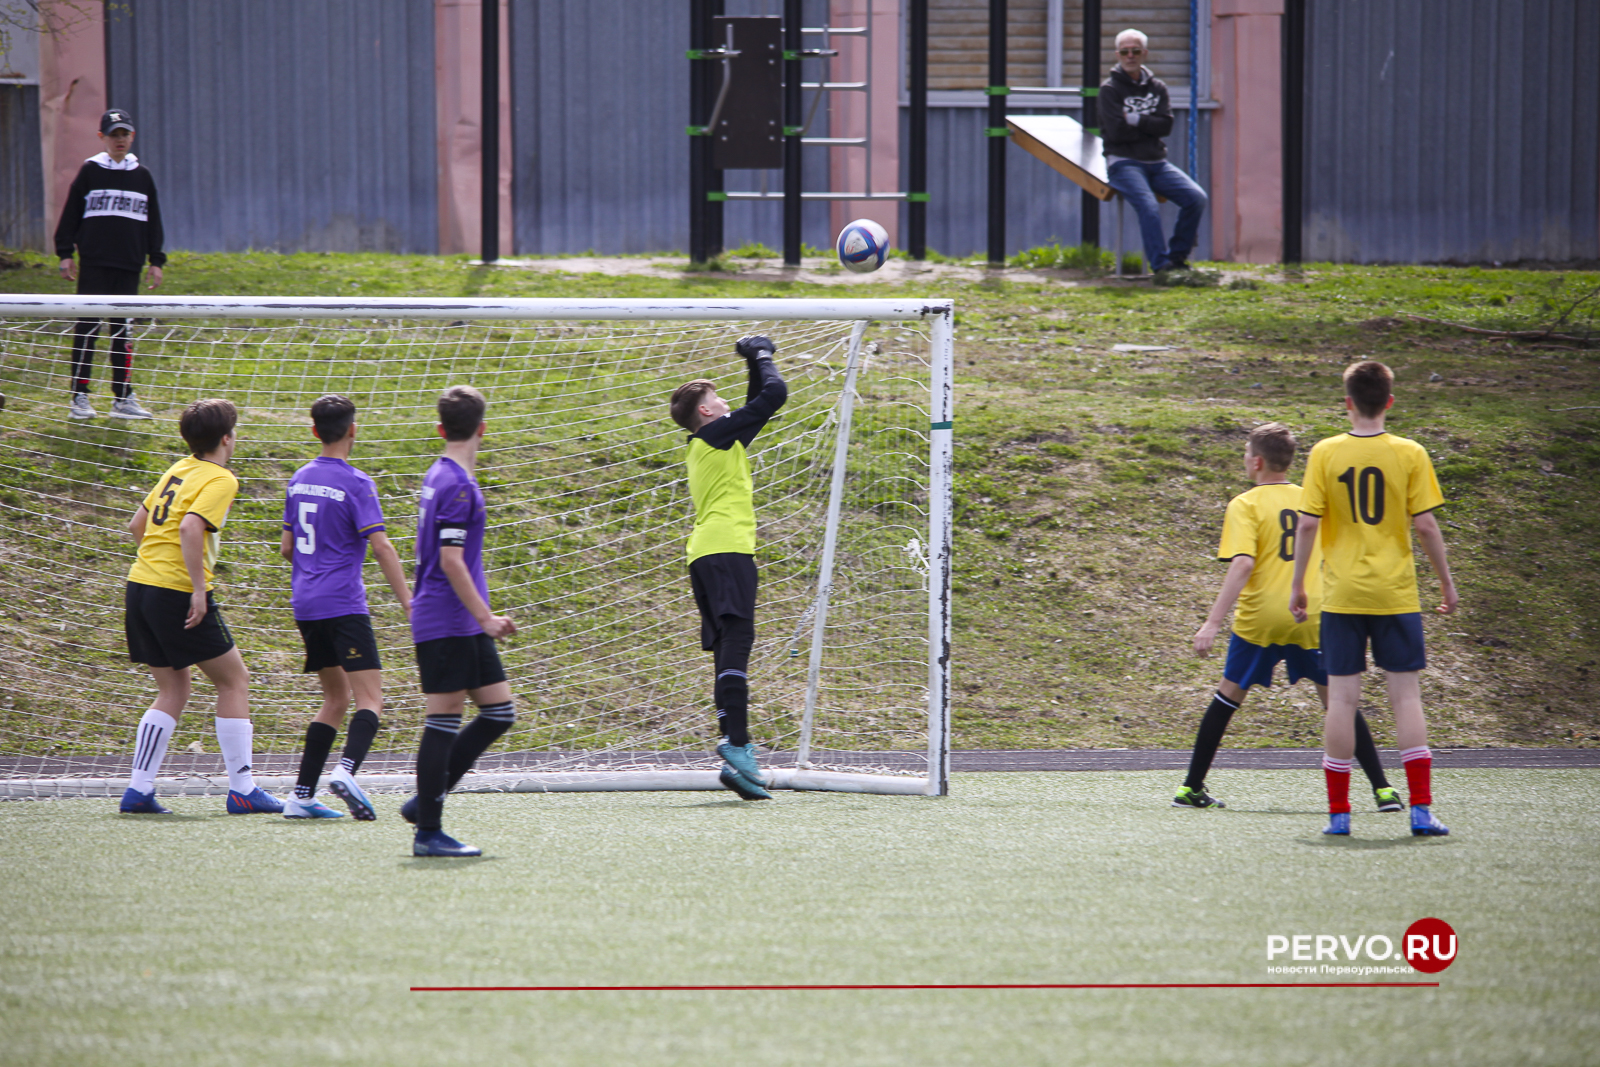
{"x": 1428, "y": 945}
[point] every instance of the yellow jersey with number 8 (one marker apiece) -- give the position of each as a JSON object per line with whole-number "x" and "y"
{"x": 1366, "y": 490}
{"x": 190, "y": 486}
{"x": 1261, "y": 524}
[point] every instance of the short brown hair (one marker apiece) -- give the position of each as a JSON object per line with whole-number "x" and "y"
{"x": 1273, "y": 442}
{"x": 205, "y": 423}
{"x": 1369, "y": 385}
{"x": 331, "y": 417}
{"x": 461, "y": 409}
{"x": 686, "y": 402}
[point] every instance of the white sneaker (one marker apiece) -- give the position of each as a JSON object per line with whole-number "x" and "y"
{"x": 81, "y": 408}
{"x": 342, "y": 784}
{"x": 128, "y": 407}
{"x": 310, "y": 808}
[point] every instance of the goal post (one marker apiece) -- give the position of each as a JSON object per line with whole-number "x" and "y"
{"x": 589, "y": 510}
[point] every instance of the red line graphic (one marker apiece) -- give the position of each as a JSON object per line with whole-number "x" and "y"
{"x": 952, "y": 985}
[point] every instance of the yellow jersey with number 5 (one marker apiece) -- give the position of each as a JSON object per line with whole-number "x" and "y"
{"x": 190, "y": 486}
{"x": 1261, "y": 524}
{"x": 1366, "y": 489}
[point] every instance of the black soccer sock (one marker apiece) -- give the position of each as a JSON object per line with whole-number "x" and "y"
{"x": 1209, "y": 738}
{"x": 1367, "y": 754}
{"x": 83, "y": 334}
{"x": 484, "y": 730}
{"x": 319, "y": 742}
{"x": 358, "y": 739}
{"x": 733, "y": 706}
{"x": 731, "y": 692}
{"x": 433, "y": 768}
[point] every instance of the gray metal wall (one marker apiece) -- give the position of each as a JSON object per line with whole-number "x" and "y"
{"x": 1042, "y": 206}
{"x": 1452, "y": 130}
{"x": 600, "y": 92}
{"x": 22, "y": 206}
{"x": 283, "y": 124}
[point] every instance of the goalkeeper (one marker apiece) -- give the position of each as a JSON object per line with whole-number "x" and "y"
{"x": 722, "y": 565}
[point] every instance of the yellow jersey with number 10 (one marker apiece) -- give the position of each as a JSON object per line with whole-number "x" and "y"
{"x": 1261, "y": 524}
{"x": 1366, "y": 490}
{"x": 190, "y": 485}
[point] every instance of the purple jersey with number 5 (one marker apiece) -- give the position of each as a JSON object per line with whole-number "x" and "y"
{"x": 452, "y": 514}
{"x": 330, "y": 510}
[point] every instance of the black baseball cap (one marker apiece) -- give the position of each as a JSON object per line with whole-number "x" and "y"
{"x": 115, "y": 119}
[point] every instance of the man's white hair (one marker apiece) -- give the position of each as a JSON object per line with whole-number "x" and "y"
{"x": 1144, "y": 42}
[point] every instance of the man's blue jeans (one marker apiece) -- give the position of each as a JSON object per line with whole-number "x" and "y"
{"x": 1141, "y": 183}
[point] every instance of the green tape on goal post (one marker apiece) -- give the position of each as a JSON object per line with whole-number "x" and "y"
{"x": 997, "y": 90}
{"x": 715, "y": 195}
{"x": 1088, "y": 90}
{"x": 996, "y": 131}
{"x": 917, "y": 198}
{"x": 942, "y": 426}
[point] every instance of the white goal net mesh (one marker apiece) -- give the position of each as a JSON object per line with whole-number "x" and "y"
{"x": 589, "y": 509}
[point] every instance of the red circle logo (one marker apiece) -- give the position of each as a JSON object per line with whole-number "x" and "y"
{"x": 1430, "y": 945}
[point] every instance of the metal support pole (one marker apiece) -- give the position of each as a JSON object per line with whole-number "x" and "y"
{"x": 705, "y": 214}
{"x": 1091, "y": 110}
{"x": 830, "y": 540}
{"x": 793, "y": 121}
{"x": 996, "y": 132}
{"x": 491, "y": 129}
{"x": 1294, "y": 113}
{"x": 917, "y": 164}
{"x": 941, "y": 472}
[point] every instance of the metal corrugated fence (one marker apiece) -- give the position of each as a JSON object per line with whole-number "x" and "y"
{"x": 1452, "y": 130}
{"x": 283, "y": 124}
{"x": 22, "y": 206}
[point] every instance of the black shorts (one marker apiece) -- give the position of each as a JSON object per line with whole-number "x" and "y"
{"x": 343, "y": 641}
{"x": 153, "y": 621}
{"x": 724, "y": 584}
{"x": 452, "y": 664}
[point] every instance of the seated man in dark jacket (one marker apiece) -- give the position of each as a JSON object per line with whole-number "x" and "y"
{"x": 1135, "y": 114}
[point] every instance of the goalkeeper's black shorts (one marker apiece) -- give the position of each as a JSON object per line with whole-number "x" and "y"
{"x": 724, "y": 583}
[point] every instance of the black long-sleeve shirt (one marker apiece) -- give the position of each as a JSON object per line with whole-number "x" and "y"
{"x": 1149, "y": 99}
{"x": 112, "y": 216}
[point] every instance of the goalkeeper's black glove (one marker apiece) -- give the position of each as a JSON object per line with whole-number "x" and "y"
{"x": 755, "y": 346}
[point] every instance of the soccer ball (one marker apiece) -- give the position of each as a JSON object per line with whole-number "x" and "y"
{"x": 862, "y": 246}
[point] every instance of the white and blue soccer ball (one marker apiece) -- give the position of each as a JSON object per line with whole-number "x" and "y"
{"x": 863, "y": 245}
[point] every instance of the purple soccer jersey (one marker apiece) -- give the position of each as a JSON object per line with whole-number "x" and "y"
{"x": 331, "y": 508}
{"x": 453, "y": 514}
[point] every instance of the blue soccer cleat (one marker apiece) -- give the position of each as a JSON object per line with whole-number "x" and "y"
{"x": 257, "y": 802}
{"x": 137, "y": 803}
{"x": 1338, "y": 824}
{"x": 747, "y": 790}
{"x": 309, "y": 808}
{"x": 1423, "y": 824}
{"x": 343, "y": 785}
{"x": 741, "y": 773}
{"x": 408, "y": 811}
{"x": 439, "y": 843}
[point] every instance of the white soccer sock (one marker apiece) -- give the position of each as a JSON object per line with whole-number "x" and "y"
{"x": 234, "y": 737}
{"x": 150, "y": 748}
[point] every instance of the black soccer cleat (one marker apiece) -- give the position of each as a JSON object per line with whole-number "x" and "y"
{"x": 1195, "y": 798}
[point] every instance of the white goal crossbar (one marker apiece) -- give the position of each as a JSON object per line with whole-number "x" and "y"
{"x": 935, "y": 315}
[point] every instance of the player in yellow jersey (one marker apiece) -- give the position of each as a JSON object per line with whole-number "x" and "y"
{"x": 722, "y": 562}
{"x": 1364, "y": 493}
{"x": 171, "y": 618}
{"x": 1258, "y": 541}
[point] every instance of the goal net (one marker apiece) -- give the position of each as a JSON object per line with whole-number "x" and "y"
{"x": 589, "y": 511}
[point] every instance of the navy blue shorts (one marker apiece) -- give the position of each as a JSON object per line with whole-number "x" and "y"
{"x": 1250, "y": 665}
{"x": 1396, "y": 642}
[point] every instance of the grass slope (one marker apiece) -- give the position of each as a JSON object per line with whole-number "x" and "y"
{"x": 1091, "y": 483}
{"x": 208, "y": 939}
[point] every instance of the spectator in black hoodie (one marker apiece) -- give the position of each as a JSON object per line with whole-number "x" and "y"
{"x": 113, "y": 219}
{"x": 1135, "y": 113}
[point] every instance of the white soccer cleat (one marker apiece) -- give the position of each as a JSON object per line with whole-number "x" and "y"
{"x": 309, "y": 808}
{"x": 128, "y": 407}
{"x": 81, "y": 408}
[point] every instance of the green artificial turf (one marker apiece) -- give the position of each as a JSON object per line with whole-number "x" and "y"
{"x": 206, "y": 939}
